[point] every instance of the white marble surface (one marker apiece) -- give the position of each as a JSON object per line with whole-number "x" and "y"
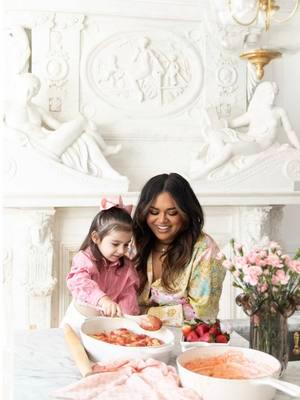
{"x": 43, "y": 364}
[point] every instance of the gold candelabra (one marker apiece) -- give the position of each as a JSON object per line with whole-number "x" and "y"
{"x": 269, "y": 8}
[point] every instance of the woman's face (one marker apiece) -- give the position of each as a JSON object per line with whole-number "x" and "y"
{"x": 164, "y": 218}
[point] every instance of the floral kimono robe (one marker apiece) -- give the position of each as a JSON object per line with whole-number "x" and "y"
{"x": 197, "y": 289}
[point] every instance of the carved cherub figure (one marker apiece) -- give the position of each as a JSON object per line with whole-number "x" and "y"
{"x": 76, "y": 143}
{"x": 263, "y": 119}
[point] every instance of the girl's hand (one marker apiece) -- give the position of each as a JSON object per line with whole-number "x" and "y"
{"x": 109, "y": 307}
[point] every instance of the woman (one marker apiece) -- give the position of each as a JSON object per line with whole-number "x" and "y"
{"x": 176, "y": 261}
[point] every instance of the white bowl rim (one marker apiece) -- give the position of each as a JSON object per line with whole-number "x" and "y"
{"x": 178, "y": 362}
{"x": 162, "y": 346}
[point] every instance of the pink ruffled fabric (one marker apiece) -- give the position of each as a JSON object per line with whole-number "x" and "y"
{"x": 129, "y": 379}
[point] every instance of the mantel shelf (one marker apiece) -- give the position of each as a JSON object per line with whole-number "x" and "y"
{"x": 206, "y": 199}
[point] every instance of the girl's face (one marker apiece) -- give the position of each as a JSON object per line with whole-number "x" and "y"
{"x": 164, "y": 218}
{"x": 114, "y": 245}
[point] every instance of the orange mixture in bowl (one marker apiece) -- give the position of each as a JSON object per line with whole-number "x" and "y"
{"x": 229, "y": 365}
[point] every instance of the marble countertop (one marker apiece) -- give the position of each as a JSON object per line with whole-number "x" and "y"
{"x": 43, "y": 364}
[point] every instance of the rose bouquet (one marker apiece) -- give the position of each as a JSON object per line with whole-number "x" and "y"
{"x": 270, "y": 283}
{"x": 265, "y": 275}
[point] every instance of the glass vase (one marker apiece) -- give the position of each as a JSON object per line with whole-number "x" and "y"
{"x": 269, "y": 325}
{"x": 269, "y": 333}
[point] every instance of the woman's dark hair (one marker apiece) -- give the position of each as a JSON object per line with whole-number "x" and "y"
{"x": 106, "y": 221}
{"x": 180, "y": 250}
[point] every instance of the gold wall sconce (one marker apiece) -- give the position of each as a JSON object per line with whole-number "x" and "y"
{"x": 269, "y": 10}
{"x": 259, "y": 58}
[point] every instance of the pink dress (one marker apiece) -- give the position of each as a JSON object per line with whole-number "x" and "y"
{"x": 88, "y": 281}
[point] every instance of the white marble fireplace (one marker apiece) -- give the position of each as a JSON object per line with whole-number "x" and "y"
{"x": 145, "y": 73}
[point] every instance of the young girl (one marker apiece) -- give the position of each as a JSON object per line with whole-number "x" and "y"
{"x": 102, "y": 280}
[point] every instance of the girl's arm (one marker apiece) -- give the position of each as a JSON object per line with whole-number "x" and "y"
{"x": 80, "y": 283}
{"x": 205, "y": 285}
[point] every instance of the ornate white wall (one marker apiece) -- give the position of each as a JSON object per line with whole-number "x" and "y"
{"x": 144, "y": 72}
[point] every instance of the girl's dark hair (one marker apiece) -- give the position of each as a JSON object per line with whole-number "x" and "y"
{"x": 180, "y": 250}
{"x": 106, "y": 221}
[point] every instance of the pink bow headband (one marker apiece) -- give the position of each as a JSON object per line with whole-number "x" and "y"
{"x": 118, "y": 202}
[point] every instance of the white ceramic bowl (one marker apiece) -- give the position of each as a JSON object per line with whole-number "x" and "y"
{"x": 211, "y": 388}
{"x": 187, "y": 345}
{"x": 99, "y": 350}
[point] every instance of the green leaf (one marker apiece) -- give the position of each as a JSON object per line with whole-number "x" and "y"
{"x": 297, "y": 255}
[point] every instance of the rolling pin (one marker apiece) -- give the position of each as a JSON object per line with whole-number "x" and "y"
{"x": 77, "y": 350}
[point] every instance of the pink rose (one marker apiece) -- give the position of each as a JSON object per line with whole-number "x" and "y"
{"x": 252, "y": 275}
{"x": 294, "y": 265}
{"x": 280, "y": 278}
{"x": 251, "y": 257}
{"x": 263, "y": 287}
{"x": 274, "y": 260}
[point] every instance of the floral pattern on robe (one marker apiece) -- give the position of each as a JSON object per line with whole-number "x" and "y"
{"x": 196, "y": 291}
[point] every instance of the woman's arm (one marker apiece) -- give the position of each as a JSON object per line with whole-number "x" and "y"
{"x": 205, "y": 285}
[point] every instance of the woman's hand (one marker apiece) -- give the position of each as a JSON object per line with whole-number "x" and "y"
{"x": 109, "y": 307}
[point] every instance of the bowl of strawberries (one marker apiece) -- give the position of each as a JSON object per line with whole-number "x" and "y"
{"x": 198, "y": 333}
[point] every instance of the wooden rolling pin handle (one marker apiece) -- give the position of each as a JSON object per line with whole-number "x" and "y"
{"x": 77, "y": 350}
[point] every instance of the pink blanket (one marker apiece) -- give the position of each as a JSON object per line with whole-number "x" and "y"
{"x": 129, "y": 379}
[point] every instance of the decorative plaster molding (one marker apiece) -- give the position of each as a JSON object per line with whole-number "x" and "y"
{"x": 149, "y": 72}
{"x": 65, "y": 21}
{"x": 252, "y": 81}
{"x": 292, "y": 169}
{"x": 255, "y": 225}
{"x": 40, "y": 253}
{"x": 276, "y": 217}
{"x": 30, "y": 19}
{"x": 65, "y": 256}
{"x": 17, "y": 50}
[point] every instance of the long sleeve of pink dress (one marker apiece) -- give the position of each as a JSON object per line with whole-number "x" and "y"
{"x": 88, "y": 281}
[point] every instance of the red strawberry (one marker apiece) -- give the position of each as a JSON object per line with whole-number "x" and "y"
{"x": 201, "y": 329}
{"x": 205, "y": 338}
{"x": 192, "y": 337}
{"x": 186, "y": 329}
{"x": 215, "y": 329}
{"x": 222, "y": 338}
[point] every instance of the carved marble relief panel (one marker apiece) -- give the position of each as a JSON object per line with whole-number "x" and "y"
{"x": 145, "y": 73}
{"x": 225, "y": 77}
{"x": 56, "y": 60}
